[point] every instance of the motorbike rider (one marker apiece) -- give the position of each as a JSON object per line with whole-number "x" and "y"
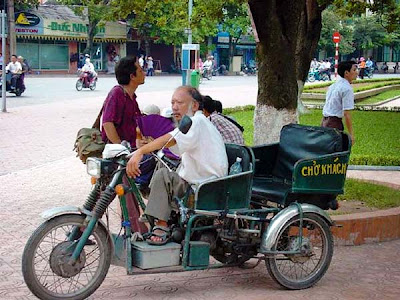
{"x": 24, "y": 70}
{"x": 15, "y": 68}
{"x": 208, "y": 65}
{"x": 197, "y": 164}
{"x": 89, "y": 67}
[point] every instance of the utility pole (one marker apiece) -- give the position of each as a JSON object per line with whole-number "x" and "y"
{"x": 189, "y": 35}
{"x": 3, "y": 51}
{"x": 11, "y": 28}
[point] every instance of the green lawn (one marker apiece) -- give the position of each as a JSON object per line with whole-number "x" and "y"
{"x": 377, "y": 134}
{"x": 373, "y": 195}
{"x": 380, "y": 97}
{"x": 367, "y": 101}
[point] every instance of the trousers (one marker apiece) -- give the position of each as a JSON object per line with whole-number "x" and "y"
{"x": 164, "y": 186}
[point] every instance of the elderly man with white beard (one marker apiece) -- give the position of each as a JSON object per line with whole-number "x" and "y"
{"x": 203, "y": 158}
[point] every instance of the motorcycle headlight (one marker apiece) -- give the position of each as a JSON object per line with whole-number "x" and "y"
{"x": 93, "y": 167}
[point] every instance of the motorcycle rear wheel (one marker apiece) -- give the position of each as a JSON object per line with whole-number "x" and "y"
{"x": 79, "y": 85}
{"x": 301, "y": 271}
{"x": 44, "y": 261}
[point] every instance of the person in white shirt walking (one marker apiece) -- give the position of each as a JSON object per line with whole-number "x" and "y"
{"x": 340, "y": 99}
{"x": 15, "y": 68}
{"x": 197, "y": 164}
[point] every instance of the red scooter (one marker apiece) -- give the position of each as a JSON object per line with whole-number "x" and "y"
{"x": 86, "y": 80}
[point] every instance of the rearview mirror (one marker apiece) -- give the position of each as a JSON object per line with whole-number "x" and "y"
{"x": 185, "y": 124}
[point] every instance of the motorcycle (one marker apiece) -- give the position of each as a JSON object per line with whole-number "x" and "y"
{"x": 249, "y": 70}
{"x": 369, "y": 72}
{"x": 228, "y": 218}
{"x": 86, "y": 80}
{"x": 20, "y": 85}
{"x": 316, "y": 74}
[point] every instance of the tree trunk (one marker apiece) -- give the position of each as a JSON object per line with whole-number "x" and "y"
{"x": 12, "y": 39}
{"x": 309, "y": 31}
{"x": 231, "y": 50}
{"x": 91, "y": 33}
{"x": 147, "y": 45}
{"x": 284, "y": 54}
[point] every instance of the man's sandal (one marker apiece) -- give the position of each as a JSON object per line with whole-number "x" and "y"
{"x": 164, "y": 233}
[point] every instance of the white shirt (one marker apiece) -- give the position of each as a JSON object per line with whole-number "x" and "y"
{"x": 14, "y": 68}
{"x": 340, "y": 97}
{"x": 88, "y": 67}
{"x": 202, "y": 150}
{"x": 208, "y": 64}
{"x": 141, "y": 62}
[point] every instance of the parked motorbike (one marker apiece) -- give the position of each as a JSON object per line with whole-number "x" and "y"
{"x": 86, "y": 80}
{"x": 20, "y": 86}
{"x": 316, "y": 74}
{"x": 69, "y": 255}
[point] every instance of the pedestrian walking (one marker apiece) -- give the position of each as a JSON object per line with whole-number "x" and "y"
{"x": 150, "y": 66}
{"x": 362, "y": 67}
{"x": 340, "y": 99}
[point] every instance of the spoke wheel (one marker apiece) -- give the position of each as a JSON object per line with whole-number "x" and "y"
{"x": 92, "y": 86}
{"x": 79, "y": 85}
{"x": 45, "y": 265}
{"x": 311, "y": 78}
{"x": 300, "y": 271}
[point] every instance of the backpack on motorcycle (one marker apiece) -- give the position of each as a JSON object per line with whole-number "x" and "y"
{"x": 88, "y": 141}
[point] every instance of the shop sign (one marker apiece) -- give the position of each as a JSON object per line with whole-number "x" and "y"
{"x": 28, "y": 23}
{"x": 74, "y": 29}
{"x": 26, "y": 19}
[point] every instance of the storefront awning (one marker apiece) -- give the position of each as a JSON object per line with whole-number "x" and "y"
{"x": 69, "y": 38}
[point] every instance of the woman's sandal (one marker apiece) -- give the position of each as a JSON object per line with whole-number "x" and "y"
{"x": 164, "y": 235}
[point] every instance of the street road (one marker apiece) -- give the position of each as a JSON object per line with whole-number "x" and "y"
{"x": 157, "y": 90}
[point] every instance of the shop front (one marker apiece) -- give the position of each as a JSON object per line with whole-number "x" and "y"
{"x": 53, "y": 38}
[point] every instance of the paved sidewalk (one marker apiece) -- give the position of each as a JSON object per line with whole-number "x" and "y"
{"x": 38, "y": 170}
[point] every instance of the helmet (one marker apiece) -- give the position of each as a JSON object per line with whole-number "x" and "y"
{"x": 167, "y": 112}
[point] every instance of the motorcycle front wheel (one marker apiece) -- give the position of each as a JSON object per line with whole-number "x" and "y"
{"x": 311, "y": 78}
{"x": 45, "y": 261}
{"x": 79, "y": 85}
{"x": 303, "y": 270}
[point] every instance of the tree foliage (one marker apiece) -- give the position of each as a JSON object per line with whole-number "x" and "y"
{"x": 96, "y": 11}
{"x": 332, "y": 22}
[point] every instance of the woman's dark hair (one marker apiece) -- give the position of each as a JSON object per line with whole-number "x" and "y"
{"x": 218, "y": 106}
{"x": 124, "y": 68}
{"x": 345, "y": 66}
{"x": 208, "y": 104}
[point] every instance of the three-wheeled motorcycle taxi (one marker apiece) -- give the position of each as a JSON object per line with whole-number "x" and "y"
{"x": 273, "y": 211}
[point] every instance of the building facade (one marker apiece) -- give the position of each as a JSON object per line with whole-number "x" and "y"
{"x": 52, "y": 37}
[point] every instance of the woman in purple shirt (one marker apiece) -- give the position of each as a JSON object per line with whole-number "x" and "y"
{"x": 120, "y": 108}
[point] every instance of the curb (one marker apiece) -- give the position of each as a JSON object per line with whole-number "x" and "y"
{"x": 365, "y": 228}
{"x": 373, "y": 168}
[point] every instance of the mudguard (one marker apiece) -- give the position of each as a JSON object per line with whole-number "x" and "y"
{"x": 67, "y": 210}
{"x": 271, "y": 234}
